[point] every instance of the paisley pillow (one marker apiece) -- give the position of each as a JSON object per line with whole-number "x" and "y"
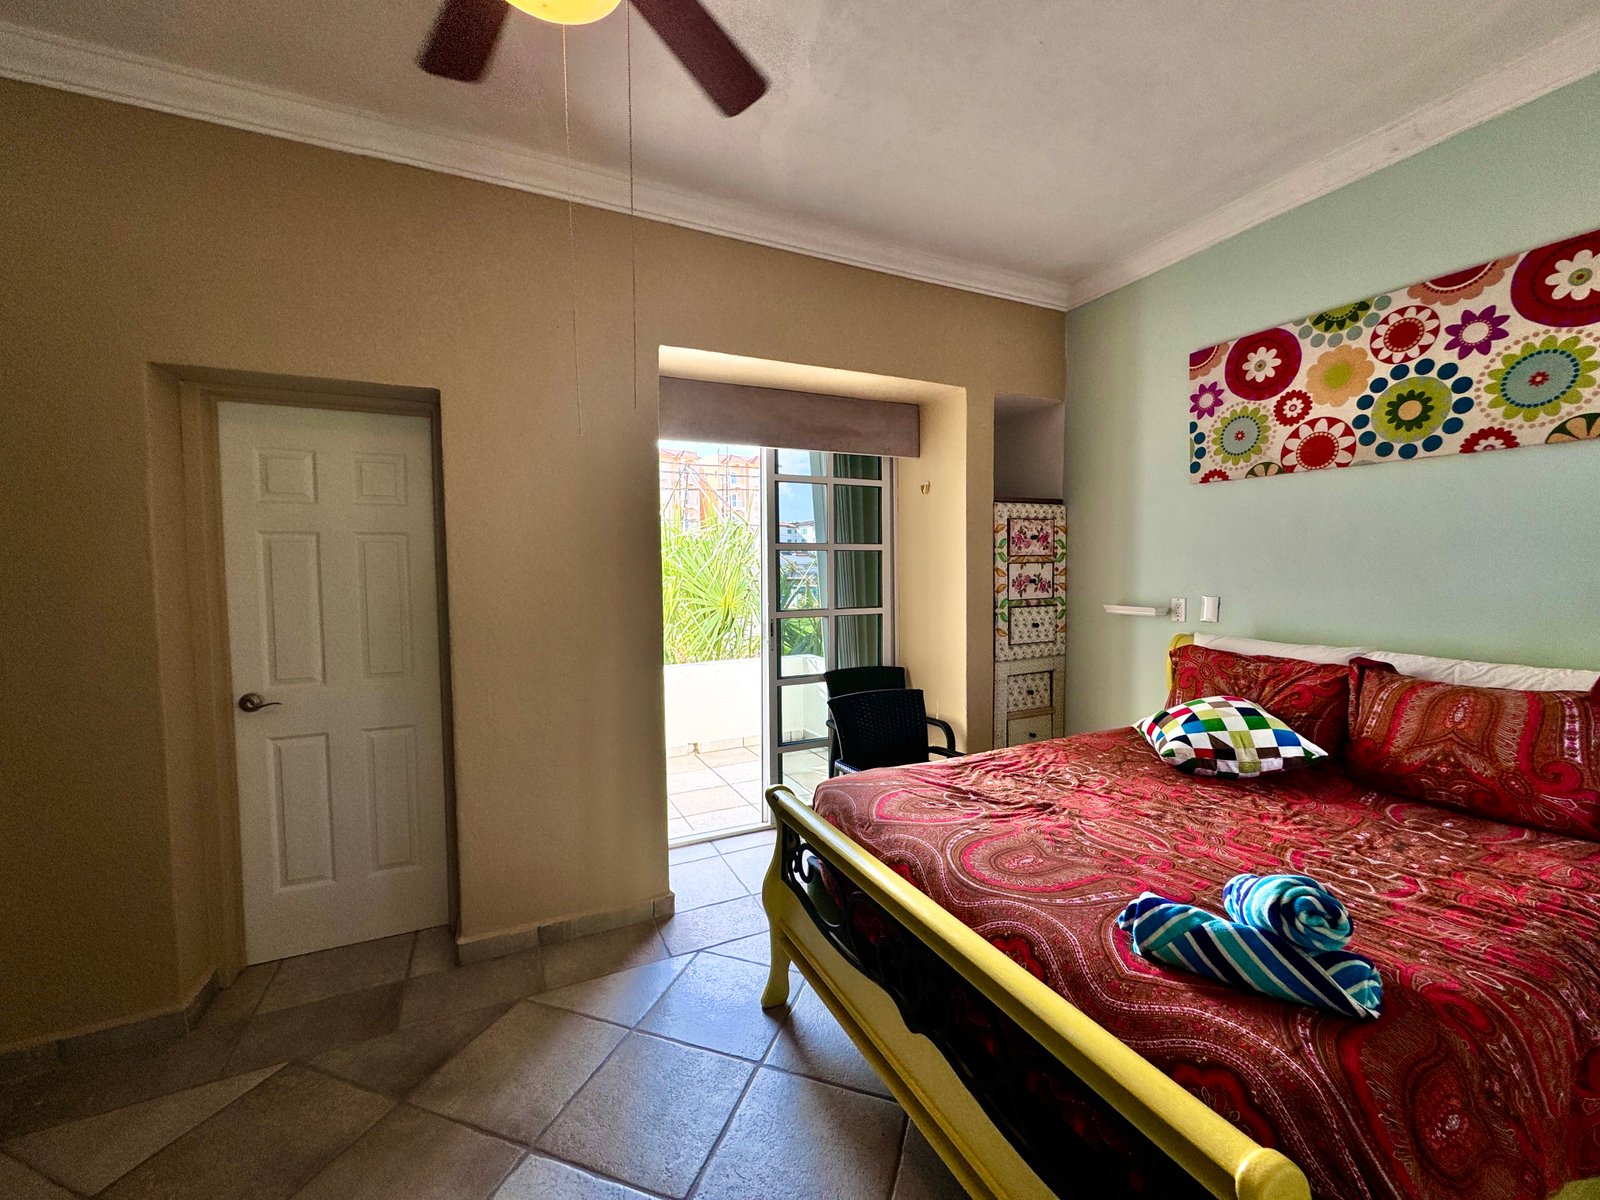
{"x": 1529, "y": 758}
{"x": 1313, "y": 699}
{"x": 1226, "y": 735}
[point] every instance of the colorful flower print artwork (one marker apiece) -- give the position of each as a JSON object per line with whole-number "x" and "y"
{"x": 1494, "y": 357}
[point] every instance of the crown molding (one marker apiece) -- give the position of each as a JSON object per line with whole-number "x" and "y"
{"x": 76, "y": 66}
{"x": 1517, "y": 82}
{"x": 34, "y": 56}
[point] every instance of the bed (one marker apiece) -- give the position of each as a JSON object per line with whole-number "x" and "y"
{"x": 959, "y": 920}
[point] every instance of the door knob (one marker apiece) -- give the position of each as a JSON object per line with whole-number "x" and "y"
{"x": 255, "y": 702}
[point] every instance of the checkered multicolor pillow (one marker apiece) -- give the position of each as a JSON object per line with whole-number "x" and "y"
{"x": 1226, "y": 735}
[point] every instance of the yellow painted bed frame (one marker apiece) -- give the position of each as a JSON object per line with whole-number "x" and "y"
{"x": 1223, "y": 1159}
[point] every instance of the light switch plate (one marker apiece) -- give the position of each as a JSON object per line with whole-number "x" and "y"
{"x": 1210, "y": 606}
{"x": 1179, "y": 610}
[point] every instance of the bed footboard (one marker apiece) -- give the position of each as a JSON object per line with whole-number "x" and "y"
{"x": 1019, "y": 1092}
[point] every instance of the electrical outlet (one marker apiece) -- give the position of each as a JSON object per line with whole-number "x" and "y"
{"x": 1179, "y": 609}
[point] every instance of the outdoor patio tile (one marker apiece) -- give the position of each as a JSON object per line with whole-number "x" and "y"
{"x": 677, "y": 827}
{"x": 435, "y": 951}
{"x": 716, "y": 1003}
{"x": 706, "y": 799}
{"x": 811, "y": 1043}
{"x": 18, "y": 1182}
{"x": 678, "y": 763}
{"x": 514, "y": 1077}
{"x": 396, "y": 1063}
{"x": 794, "y": 1138}
{"x": 750, "y": 866}
{"x": 690, "y": 781}
{"x": 923, "y": 1175}
{"x": 754, "y": 791}
{"x": 760, "y": 837}
{"x": 708, "y": 881}
{"x": 741, "y": 817}
{"x": 263, "y": 1146}
{"x": 309, "y": 1029}
{"x": 476, "y": 985}
{"x": 90, "y": 1154}
{"x": 601, "y": 954}
{"x": 747, "y": 771}
{"x": 416, "y": 1155}
{"x": 622, "y": 997}
{"x": 540, "y": 1178}
{"x": 337, "y": 972}
{"x": 694, "y": 853}
{"x": 651, "y": 1114}
{"x": 728, "y": 757}
{"x": 700, "y": 928}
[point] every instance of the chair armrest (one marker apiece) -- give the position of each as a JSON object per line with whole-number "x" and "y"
{"x": 948, "y": 753}
{"x": 949, "y": 734}
{"x": 844, "y": 768}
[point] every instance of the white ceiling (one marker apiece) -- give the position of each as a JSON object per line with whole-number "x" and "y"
{"x": 1045, "y": 149}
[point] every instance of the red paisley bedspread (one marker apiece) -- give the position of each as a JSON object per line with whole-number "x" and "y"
{"x": 1480, "y": 1080}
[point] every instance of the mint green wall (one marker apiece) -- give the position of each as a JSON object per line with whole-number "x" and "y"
{"x": 1493, "y": 556}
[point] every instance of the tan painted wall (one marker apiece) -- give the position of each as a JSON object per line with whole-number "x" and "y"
{"x": 136, "y": 238}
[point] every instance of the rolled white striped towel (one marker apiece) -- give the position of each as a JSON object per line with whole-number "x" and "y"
{"x": 1295, "y": 907}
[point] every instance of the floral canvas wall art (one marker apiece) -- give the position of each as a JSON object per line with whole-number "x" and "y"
{"x": 1500, "y": 355}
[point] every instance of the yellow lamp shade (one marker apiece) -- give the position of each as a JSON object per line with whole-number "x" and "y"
{"x": 567, "y": 12}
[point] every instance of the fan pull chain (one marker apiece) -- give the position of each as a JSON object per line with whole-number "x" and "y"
{"x": 572, "y": 231}
{"x": 633, "y": 214}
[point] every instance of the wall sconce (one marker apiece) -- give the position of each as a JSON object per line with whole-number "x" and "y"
{"x": 1177, "y": 608}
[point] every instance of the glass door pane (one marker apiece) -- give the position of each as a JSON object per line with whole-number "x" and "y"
{"x": 858, "y": 514}
{"x": 800, "y": 647}
{"x": 827, "y": 600}
{"x": 860, "y": 579}
{"x": 859, "y": 640}
{"x": 802, "y": 581}
{"x": 802, "y": 512}
{"x": 803, "y": 712}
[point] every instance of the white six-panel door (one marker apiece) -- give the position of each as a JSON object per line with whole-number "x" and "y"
{"x": 328, "y": 531}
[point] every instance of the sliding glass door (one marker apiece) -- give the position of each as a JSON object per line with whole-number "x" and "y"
{"x": 827, "y": 592}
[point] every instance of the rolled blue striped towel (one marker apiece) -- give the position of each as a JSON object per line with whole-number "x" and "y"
{"x": 1182, "y": 935}
{"x": 1295, "y": 907}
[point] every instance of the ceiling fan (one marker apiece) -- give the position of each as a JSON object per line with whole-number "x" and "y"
{"x": 465, "y": 33}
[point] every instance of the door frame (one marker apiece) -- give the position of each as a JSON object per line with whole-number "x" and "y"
{"x": 208, "y": 616}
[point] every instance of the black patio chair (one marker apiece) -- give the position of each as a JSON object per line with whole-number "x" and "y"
{"x": 886, "y": 728}
{"x": 843, "y": 681}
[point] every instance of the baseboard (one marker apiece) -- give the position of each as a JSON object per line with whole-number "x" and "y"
{"x": 28, "y": 1058}
{"x": 562, "y": 929}
{"x": 109, "y": 1036}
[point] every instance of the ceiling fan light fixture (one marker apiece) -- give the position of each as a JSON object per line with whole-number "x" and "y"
{"x": 567, "y": 12}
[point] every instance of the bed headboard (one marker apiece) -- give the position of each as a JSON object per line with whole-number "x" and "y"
{"x": 1419, "y": 666}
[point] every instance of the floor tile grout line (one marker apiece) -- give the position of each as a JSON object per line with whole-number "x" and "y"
{"x": 515, "y": 1166}
{"x": 587, "y": 1080}
{"x": 722, "y": 1134}
{"x": 411, "y": 955}
{"x": 597, "y": 1173}
{"x": 46, "y": 1176}
{"x": 900, "y": 1159}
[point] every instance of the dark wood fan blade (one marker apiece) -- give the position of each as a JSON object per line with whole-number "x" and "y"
{"x": 463, "y": 38}
{"x": 706, "y": 52}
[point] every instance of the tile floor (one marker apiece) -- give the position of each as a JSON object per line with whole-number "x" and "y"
{"x": 717, "y": 790}
{"x": 635, "y": 1063}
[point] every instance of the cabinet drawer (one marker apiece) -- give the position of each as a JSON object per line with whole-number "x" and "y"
{"x": 1035, "y": 728}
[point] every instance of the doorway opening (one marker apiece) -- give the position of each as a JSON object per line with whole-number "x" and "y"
{"x": 776, "y": 568}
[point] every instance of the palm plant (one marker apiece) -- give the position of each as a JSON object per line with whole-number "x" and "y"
{"x": 710, "y": 592}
